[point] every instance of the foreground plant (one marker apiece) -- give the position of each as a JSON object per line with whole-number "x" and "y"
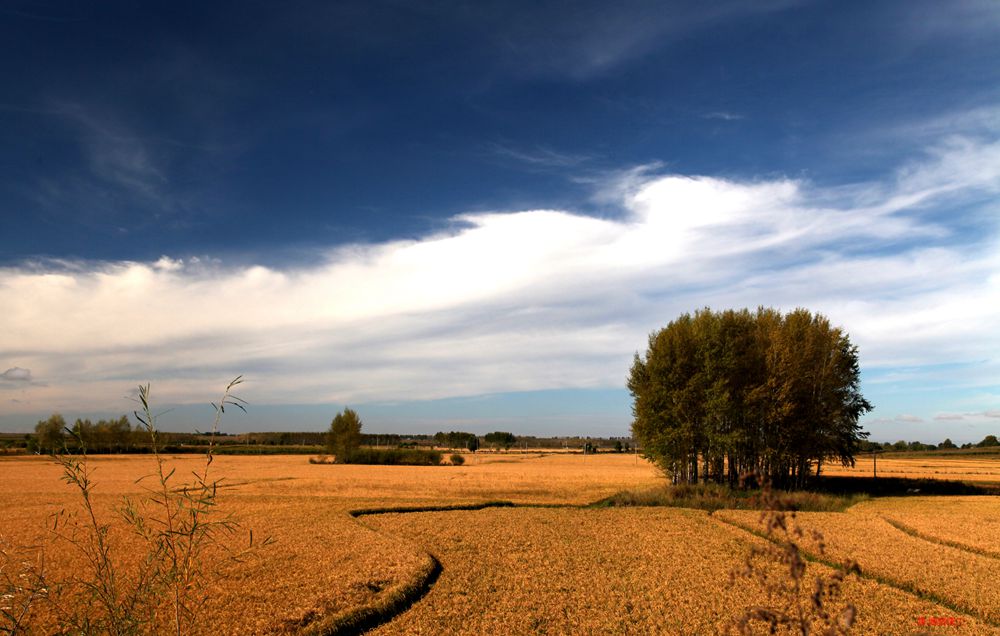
{"x": 175, "y": 525}
{"x": 779, "y": 566}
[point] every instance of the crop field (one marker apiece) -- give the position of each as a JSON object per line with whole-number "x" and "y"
{"x": 549, "y": 565}
{"x": 963, "y": 468}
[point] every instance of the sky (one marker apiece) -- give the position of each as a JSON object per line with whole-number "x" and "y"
{"x": 471, "y": 215}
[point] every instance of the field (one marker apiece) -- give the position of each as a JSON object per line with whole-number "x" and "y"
{"x": 549, "y": 565}
{"x": 969, "y": 467}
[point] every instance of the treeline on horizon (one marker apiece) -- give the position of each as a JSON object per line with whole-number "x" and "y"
{"x": 118, "y": 435}
{"x": 990, "y": 441}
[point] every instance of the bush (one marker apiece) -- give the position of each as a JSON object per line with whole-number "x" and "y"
{"x": 457, "y": 460}
{"x": 394, "y": 457}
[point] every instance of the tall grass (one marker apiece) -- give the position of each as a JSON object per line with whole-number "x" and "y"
{"x": 175, "y": 524}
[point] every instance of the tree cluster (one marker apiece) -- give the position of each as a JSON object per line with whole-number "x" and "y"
{"x": 500, "y": 438}
{"x": 720, "y": 394}
{"x": 51, "y": 434}
{"x": 106, "y": 436}
{"x": 454, "y": 439}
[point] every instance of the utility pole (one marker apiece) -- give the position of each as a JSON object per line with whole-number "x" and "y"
{"x": 875, "y": 454}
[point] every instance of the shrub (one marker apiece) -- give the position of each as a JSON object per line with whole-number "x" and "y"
{"x": 457, "y": 460}
{"x": 394, "y": 457}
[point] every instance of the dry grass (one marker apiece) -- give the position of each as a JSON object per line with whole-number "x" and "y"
{"x": 972, "y": 523}
{"x": 615, "y": 570}
{"x": 972, "y": 469}
{"x": 322, "y": 562}
{"x": 633, "y": 570}
{"x": 952, "y": 576}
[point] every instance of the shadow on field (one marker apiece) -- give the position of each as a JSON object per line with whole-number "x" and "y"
{"x": 899, "y": 486}
{"x": 825, "y": 494}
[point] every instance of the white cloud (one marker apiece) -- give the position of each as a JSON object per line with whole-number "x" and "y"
{"x": 16, "y": 374}
{"x": 528, "y": 300}
{"x": 948, "y": 417}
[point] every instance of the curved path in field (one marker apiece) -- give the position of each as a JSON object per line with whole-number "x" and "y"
{"x": 404, "y": 595}
{"x": 398, "y": 598}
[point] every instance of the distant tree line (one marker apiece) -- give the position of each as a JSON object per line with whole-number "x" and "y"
{"x": 720, "y": 394}
{"x": 117, "y": 435}
{"x": 457, "y": 439}
{"x": 343, "y": 442}
{"x": 106, "y": 436}
{"x": 990, "y": 441}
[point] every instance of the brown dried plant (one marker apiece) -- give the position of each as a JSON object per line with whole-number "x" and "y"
{"x": 795, "y": 604}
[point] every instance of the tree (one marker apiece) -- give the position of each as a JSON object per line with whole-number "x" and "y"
{"x": 344, "y": 436}
{"x": 120, "y": 433}
{"x": 988, "y": 441}
{"x": 50, "y": 433}
{"x": 500, "y": 438}
{"x": 947, "y": 443}
{"x": 720, "y": 394}
{"x": 473, "y": 444}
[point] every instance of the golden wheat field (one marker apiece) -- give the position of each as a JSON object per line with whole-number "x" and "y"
{"x": 554, "y": 567}
{"x": 974, "y": 469}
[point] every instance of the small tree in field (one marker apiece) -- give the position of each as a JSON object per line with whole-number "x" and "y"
{"x": 344, "y": 436}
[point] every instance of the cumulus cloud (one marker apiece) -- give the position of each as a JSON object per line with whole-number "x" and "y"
{"x": 532, "y": 299}
{"x": 910, "y": 419}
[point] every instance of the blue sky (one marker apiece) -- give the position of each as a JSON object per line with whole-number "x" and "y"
{"x": 471, "y": 215}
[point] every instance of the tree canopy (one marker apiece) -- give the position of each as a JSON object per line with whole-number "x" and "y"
{"x": 740, "y": 392}
{"x": 500, "y": 438}
{"x": 344, "y": 436}
{"x": 454, "y": 439}
{"x": 51, "y": 433}
{"x": 105, "y": 435}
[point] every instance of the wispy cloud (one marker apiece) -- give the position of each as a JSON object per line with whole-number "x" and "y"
{"x": 533, "y": 299}
{"x": 723, "y": 116}
{"x": 116, "y": 155}
{"x": 595, "y": 37}
{"x": 538, "y": 156}
{"x": 116, "y": 176}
